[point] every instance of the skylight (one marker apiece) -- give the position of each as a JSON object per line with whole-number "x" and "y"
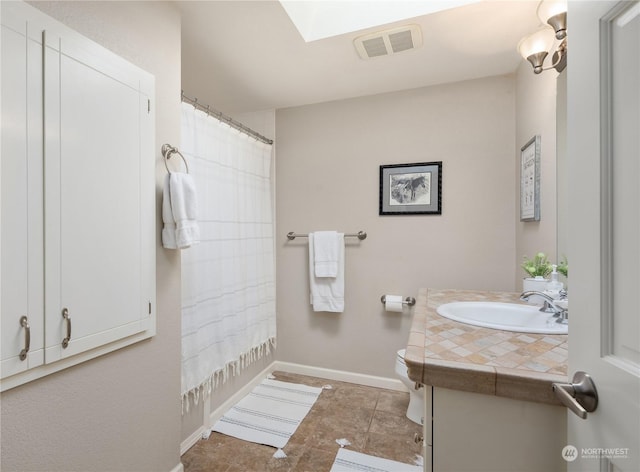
{"x": 319, "y": 19}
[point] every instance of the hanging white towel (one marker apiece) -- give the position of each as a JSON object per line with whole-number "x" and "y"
{"x": 180, "y": 212}
{"x": 327, "y": 293}
{"x": 169, "y": 226}
{"x": 325, "y": 253}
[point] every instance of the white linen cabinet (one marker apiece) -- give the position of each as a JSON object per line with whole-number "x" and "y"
{"x": 77, "y": 184}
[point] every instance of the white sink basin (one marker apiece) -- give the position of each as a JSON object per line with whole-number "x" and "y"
{"x": 504, "y": 316}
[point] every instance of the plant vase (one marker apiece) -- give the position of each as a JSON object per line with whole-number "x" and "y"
{"x": 537, "y": 284}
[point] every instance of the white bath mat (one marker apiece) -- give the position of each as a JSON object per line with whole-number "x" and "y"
{"x": 270, "y": 413}
{"x": 348, "y": 461}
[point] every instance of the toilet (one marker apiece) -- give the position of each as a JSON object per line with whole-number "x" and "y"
{"x": 415, "y": 411}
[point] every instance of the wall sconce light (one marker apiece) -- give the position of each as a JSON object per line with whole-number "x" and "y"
{"x": 536, "y": 47}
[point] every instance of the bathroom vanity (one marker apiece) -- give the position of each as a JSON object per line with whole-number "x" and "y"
{"x": 492, "y": 405}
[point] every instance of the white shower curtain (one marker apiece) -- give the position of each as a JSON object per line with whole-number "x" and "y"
{"x": 228, "y": 279}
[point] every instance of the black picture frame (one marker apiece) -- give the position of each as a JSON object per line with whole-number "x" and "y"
{"x": 411, "y": 189}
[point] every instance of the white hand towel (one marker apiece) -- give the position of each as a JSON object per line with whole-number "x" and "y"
{"x": 184, "y": 207}
{"x": 169, "y": 226}
{"x": 325, "y": 253}
{"x": 179, "y": 212}
{"x": 327, "y": 293}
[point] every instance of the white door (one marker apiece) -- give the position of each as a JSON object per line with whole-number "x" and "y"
{"x": 603, "y": 144}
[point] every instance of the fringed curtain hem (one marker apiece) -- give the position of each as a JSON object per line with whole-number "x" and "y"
{"x": 220, "y": 376}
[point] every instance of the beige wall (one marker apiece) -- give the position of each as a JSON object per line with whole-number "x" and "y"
{"x": 536, "y": 114}
{"x": 120, "y": 411}
{"x": 328, "y": 178}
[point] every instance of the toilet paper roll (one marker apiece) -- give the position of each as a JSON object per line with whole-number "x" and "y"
{"x": 393, "y": 303}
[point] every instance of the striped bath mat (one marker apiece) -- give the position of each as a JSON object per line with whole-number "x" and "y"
{"x": 349, "y": 461}
{"x": 270, "y": 414}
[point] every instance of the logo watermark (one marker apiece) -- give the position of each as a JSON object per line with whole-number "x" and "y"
{"x": 571, "y": 453}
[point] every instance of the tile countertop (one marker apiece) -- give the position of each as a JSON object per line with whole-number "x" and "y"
{"x": 445, "y": 353}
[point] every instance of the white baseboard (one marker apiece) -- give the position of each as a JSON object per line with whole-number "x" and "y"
{"x": 178, "y": 468}
{"x": 340, "y": 375}
{"x": 320, "y": 372}
{"x": 191, "y": 440}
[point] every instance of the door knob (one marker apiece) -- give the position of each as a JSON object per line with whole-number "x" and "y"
{"x": 580, "y": 396}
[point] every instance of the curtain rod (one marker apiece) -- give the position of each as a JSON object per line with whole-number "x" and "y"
{"x": 225, "y": 119}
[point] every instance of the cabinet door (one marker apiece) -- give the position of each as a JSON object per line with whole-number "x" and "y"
{"x": 77, "y": 206}
{"x": 21, "y": 211}
{"x": 99, "y": 236}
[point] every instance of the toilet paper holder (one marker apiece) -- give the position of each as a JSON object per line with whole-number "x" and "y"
{"x": 407, "y": 301}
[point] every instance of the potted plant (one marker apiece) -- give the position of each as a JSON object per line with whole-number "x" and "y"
{"x": 537, "y": 270}
{"x": 563, "y": 267}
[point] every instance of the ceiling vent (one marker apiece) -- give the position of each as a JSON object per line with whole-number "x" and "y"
{"x": 385, "y": 43}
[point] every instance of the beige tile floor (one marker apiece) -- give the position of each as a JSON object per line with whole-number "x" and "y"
{"x": 372, "y": 419}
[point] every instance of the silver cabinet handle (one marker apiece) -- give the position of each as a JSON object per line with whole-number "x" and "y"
{"x": 67, "y": 318}
{"x": 580, "y": 396}
{"x": 24, "y": 322}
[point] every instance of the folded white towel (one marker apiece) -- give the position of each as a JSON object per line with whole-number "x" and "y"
{"x": 325, "y": 253}
{"x": 182, "y": 207}
{"x": 327, "y": 293}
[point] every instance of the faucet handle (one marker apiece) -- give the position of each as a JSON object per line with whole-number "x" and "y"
{"x": 547, "y": 307}
{"x": 563, "y": 294}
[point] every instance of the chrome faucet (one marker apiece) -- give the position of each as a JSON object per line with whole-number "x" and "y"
{"x": 549, "y": 306}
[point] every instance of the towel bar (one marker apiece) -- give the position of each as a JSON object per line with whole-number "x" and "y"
{"x": 360, "y": 235}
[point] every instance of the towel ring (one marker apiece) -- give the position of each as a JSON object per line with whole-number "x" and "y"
{"x": 168, "y": 151}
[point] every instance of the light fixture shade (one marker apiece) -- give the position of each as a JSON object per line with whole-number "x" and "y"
{"x": 549, "y": 8}
{"x": 554, "y": 13}
{"x": 538, "y": 42}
